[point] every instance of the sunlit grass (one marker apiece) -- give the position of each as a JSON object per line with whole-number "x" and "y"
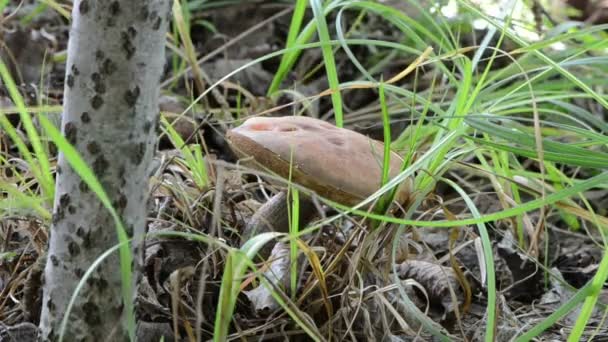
{"x": 193, "y": 158}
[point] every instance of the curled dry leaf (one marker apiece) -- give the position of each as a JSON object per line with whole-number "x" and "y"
{"x": 436, "y": 279}
{"x": 277, "y": 274}
{"x": 149, "y": 307}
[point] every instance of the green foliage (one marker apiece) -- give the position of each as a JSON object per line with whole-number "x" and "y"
{"x": 38, "y": 163}
{"x": 192, "y": 154}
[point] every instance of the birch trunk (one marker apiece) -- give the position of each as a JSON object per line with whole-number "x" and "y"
{"x": 115, "y": 62}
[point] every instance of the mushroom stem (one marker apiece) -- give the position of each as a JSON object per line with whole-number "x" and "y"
{"x": 273, "y": 216}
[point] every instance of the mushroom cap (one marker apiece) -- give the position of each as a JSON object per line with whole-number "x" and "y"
{"x": 337, "y": 163}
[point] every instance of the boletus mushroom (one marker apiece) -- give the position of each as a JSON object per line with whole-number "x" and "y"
{"x": 336, "y": 163}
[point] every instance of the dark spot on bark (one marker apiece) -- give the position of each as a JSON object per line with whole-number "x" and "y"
{"x": 98, "y": 84}
{"x": 129, "y": 230}
{"x": 50, "y": 305}
{"x": 168, "y": 14}
{"x": 97, "y": 282}
{"x": 83, "y": 187}
{"x": 132, "y": 31}
{"x": 121, "y": 171}
{"x": 100, "y": 165}
{"x": 108, "y": 67}
{"x": 99, "y": 55}
{"x": 59, "y": 170}
{"x": 80, "y": 231}
{"x": 64, "y": 200}
{"x": 138, "y": 153}
{"x": 121, "y": 202}
{"x": 93, "y": 147}
{"x": 91, "y": 314}
{"x": 114, "y": 8}
{"x": 131, "y": 96}
{"x": 127, "y": 45}
{"x": 102, "y": 284}
{"x": 86, "y": 241}
{"x": 86, "y": 238}
{"x": 79, "y": 272}
{"x": 71, "y": 209}
{"x": 70, "y": 80}
{"x": 70, "y": 132}
{"x": 96, "y": 102}
{"x": 57, "y": 216}
{"x": 54, "y": 260}
{"x": 92, "y": 281}
{"x": 75, "y": 70}
{"x": 83, "y": 7}
{"x": 73, "y": 248}
{"x": 147, "y": 126}
{"x": 85, "y": 117}
{"x": 100, "y": 88}
{"x": 157, "y": 23}
{"x": 143, "y": 13}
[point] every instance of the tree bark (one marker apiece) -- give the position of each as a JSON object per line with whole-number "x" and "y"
{"x": 115, "y": 62}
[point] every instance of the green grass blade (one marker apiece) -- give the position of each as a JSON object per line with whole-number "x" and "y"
{"x": 237, "y": 262}
{"x": 556, "y": 315}
{"x": 41, "y": 165}
{"x": 489, "y": 261}
{"x": 329, "y": 61}
{"x": 293, "y": 246}
{"x": 593, "y": 182}
{"x": 294, "y": 29}
{"x": 386, "y": 125}
{"x": 193, "y": 155}
{"x": 597, "y": 284}
{"x": 16, "y": 199}
{"x": 293, "y": 52}
{"x": 599, "y": 98}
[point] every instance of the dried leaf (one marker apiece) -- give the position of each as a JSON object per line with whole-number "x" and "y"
{"x": 277, "y": 274}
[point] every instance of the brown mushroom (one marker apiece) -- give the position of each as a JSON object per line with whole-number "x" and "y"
{"x": 336, "y": 163}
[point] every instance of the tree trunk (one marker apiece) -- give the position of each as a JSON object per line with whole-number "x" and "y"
{"x": 115, "y": 62}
